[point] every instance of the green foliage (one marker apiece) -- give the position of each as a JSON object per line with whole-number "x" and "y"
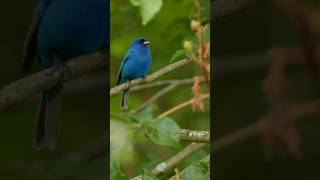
{"x": 207, "y": 33}
{"x": 197, "y": 170}
{"x": 149, "y": 162}
{"x": 167, "y": 29}
{"x": 178, "y": 55}
{"x": 162, "y": 131}
{"x": 126, "y": 129}
{"x": 115, "y": 172}
{"x": 148, "y": 9}
{"x": 147, "y": 175}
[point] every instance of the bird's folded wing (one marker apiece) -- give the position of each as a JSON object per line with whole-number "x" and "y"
{"x": 30, "y": 42}
{"x": 126, "y": 58}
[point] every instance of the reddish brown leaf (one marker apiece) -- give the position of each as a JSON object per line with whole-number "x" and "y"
{"x": 197, "y": 103}
{"x": 279, "y": 130}
{"x": 276, "y": 86}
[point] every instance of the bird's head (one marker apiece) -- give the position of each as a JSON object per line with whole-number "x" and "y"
{"x": 141, "y": 42}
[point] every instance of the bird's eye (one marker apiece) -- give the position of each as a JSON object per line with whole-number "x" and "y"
{"x": 141, "y": 41}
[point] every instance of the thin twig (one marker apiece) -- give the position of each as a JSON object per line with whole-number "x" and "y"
{"x": 177, "y": 82}
{"x": 253, "y": 129}
{"x": 155, "y": 97}
{"x": 182, "y": 105}
{"x": 24, "y": 88}
{"x": 172, "y": 85}
{"x": 195, "y": 136}
{"x": 150, "y": 77}
{"x": 203, "y": 160}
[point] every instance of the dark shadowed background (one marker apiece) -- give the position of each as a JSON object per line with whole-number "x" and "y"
{"x": 241, "y": 42}
{"x": 83, "y": 112}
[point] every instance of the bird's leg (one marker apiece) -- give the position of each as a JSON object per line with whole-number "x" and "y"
{"x": 128, "y": 82}
{"x": 60, "y": 65}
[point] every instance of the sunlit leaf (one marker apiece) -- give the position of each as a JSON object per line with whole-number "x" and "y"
{"x": 197, "y": 170}
{"x": 144, "y": 115}
{"x": 178, "y": 55}
{"x": 148, "y": 9}
{"x": 163, "y": 131}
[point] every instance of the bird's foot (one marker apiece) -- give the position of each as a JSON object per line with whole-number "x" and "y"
{"x": 60, "y": 66}
{"x": 60, "y": 70}
{"x": 125, "y": 107}
{"x": 144, "y": 78}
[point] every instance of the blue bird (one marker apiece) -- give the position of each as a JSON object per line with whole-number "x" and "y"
{"x": 61, "y": 30}
{"x": 136, "y": 64}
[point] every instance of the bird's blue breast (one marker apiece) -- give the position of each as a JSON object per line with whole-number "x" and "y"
{"x": 70, "y": 28}
{"x": 137, "y": 66}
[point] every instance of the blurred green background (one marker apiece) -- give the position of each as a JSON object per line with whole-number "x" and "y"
{"x": 239, "y": 40}
{"x": 166, "y": 33}
{"x": 83, "y": 112}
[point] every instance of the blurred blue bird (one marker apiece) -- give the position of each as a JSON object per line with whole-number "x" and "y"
{"x": 136, "y": 64}
{"x": 61, "y": 30}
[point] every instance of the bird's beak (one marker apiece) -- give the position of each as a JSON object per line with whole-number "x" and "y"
{"x": 146, "y": 42}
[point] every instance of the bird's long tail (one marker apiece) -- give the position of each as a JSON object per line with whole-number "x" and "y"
{"x": 47, "y": 125}
{"x": 124, "y": 99}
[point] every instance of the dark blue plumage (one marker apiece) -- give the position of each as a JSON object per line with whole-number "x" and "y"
{"x": 61, "y": 30}
{"x": 136, "y": 64}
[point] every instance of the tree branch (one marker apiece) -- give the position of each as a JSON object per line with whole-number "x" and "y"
{"x": 89, "y": 154}
{"x": 24, "y": 88}
{"x": 195, "y": 136}
{"x": 172, "y": 84}
{"x": 204, "y": 160}
{"x": 155, "y": 97}
{"x": 99, "y": 149}
{"x": 174, "y": 160}
{"x": 177, "y": 82}
{"x": 150, "y": 77}
{"x": 221, "y": 8}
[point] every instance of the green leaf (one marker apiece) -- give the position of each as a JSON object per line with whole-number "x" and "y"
{"x": 207, "y": 33}
{"x": 144, "y": 115}
{"x": 115, "y": 172}
{"x": 148, "y": 9}
{"x": 163, "y": 131}
{"x": 198, "y": 170}
{"x": 178, "y": 55}
{"x": 149, "y": 162}
{"x": 121, "y": 142}
{"x": 147, "y": 175}
{"x": 121, "y": 117}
